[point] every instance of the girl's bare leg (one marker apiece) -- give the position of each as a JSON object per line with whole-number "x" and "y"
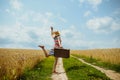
{"x": 54, "y": 66}
{"x": 44, "y": 50}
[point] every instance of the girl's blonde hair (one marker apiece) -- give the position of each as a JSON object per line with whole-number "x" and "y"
{"x": 56, "y": 33}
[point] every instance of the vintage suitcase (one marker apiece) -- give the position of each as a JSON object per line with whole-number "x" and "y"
{"x": 64, "y": 53}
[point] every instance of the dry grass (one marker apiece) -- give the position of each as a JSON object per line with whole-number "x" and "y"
{"x": 106, "y": 55}
{"x": 14, "y": 61}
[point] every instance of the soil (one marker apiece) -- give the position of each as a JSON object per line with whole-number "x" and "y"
{"x": 61, "y": 74}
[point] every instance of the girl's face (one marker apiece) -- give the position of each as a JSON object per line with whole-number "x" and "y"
{"x": 53, "y": 35}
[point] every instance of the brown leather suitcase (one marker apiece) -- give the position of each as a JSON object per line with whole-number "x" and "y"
{"x": 64, "y": 53}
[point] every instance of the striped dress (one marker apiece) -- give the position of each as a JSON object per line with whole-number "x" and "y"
{"x": 57, "y": 41}
{"x": 57, "y": 44}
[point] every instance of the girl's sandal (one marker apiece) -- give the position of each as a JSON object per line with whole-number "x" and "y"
{"x": 55, "y": 72}
{"x": 41, "y": 46}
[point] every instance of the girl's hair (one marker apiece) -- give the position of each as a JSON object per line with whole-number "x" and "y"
{"x": 56, "y": 33}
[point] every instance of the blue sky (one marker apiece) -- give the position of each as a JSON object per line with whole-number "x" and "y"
{"x": 83, "y": 24}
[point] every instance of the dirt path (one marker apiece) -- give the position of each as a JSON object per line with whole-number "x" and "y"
{"x": 110, "y": 73}
{"x": 61, "y": 75}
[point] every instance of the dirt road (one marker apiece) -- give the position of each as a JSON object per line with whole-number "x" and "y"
{"x": 110, "y": 73}
{"x": 61, "y": 75}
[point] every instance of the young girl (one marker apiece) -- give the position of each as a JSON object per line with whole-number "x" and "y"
{"x": 57, "y": 40}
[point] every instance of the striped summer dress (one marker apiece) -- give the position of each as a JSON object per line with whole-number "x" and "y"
{"x": 57, "y": 44}
{"x": 57, "y": 41}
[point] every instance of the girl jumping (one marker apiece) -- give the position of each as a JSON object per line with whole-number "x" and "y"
{"x": 57, "y": 44}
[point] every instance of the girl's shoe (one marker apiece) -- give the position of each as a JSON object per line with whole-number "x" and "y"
{"x": 41, "y": 46}
{"x": 55, "y": 72}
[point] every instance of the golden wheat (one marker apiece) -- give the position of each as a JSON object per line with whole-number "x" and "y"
{"x": 14, "y": 61}
{"x": 106, "y": 55}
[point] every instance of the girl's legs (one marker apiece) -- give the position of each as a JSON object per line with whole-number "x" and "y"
{"x": 45, "y": 52}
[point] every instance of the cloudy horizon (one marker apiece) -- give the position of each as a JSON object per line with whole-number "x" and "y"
{"x": 83, "y": 24}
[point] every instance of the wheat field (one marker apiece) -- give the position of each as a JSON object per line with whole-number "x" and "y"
{"x": 14, "y": 61}
{"x": 105, "y": 55}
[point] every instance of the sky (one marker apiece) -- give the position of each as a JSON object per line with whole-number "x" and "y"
{"x": 83, "y": 24}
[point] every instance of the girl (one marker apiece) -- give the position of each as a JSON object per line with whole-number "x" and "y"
{"x": 57, "y": 40}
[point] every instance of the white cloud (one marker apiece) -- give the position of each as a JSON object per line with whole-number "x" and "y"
{"x": 43, "y": 19}
{"x": 49, "y": 14}
{"x": 103, "y": 24}
{"x": 22, "y": 34}
{"x": 94, "y": 3}
{"x": 81, "y": 1}
{"x": 71, "y": 37}
{"x": 117, "y": 11}
{"x": 87, "y": 13}
{"x": 14, "y": 33}
{"x": 115, "y": 26}
{"x": 16, "y": 4}
{"x": 63, "y": 19}
{"x": 7, "y": 10}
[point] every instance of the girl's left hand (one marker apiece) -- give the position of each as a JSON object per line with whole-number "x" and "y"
{"x": 51, "y": 28}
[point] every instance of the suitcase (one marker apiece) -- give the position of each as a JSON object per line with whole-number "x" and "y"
{"x": 64, "y": 53}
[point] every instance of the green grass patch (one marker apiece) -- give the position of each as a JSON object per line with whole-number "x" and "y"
{"x": 42, "y": 71}
{"x": 76, "y": 70}
{"x": 97, "y": 62}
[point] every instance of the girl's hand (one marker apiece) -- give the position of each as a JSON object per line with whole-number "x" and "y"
{"x": 61, "y": 47}
{"x": 51, "y": 28}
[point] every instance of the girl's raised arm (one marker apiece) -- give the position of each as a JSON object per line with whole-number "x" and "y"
{"x": 51, "y": 30}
